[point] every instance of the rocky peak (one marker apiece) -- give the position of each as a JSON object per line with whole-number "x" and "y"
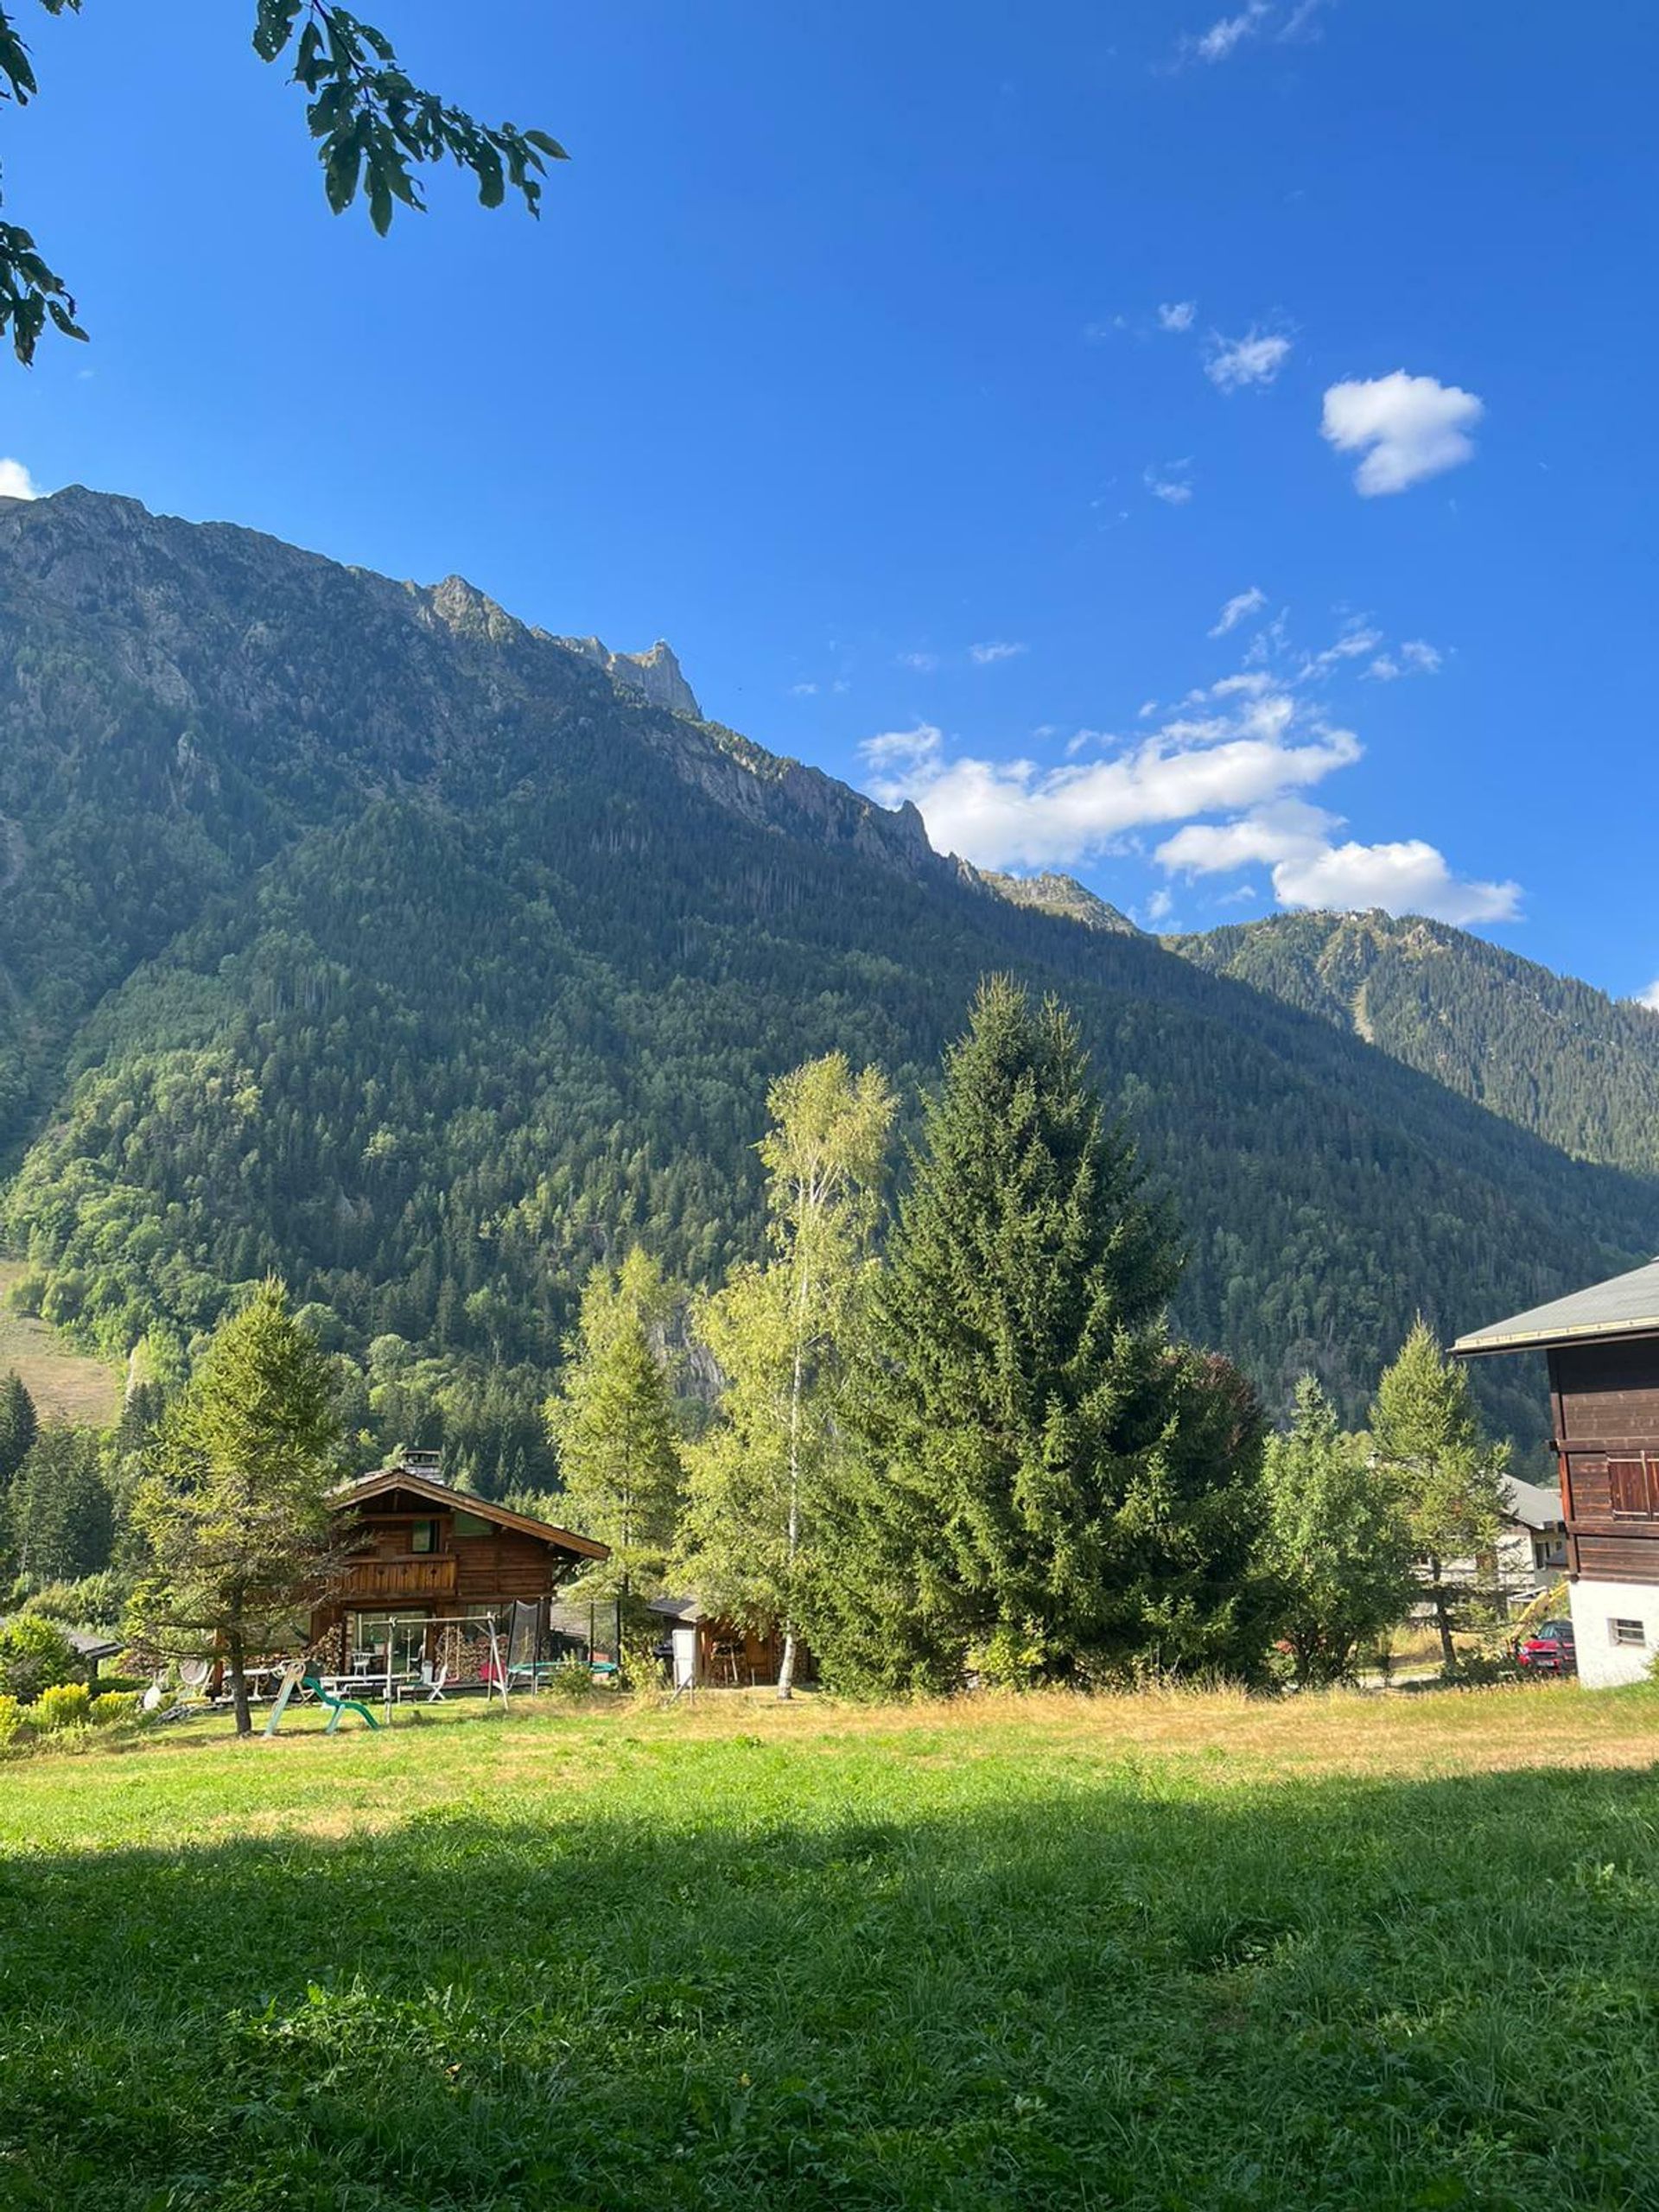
{"x": 655, "y": 676}
{"x": 462, "y": 606}
{"x": 1058, "y": 894}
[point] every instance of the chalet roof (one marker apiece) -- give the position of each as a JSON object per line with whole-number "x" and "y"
{"x": 87, "y": 1643}
{"x": 1625, "y": 1306}
{"x": 1532, "y": 1505}
{"x": 385, "y": 1479}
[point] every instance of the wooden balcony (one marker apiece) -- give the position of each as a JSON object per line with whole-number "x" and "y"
{"x": 390, "y": 1580}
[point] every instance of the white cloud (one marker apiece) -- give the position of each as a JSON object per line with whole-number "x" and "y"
{"x": 1294, "y": 839}
{"x": 1160, "y": 906}
{"x": 1650, "y": 998}
{"x": 995, "y": 649}
{"x": 1233, "y": 362}
{"x": 1410, "y": 877}
{"x": 1408, "y": 428}
{"x": 1177, "y": 314}
{"x": 1238, "y": 608}
{"x": 1172, "y": 483}
{"x": 904, "y": 750}
{"x": 1016, "y": 812}
{"x": 802, "y": 690}
{"x": 16, "y": 483}
{"x": 1416, "y": 657}
{"x": 923, "y": 662}
{"x": 1226, "y": 34}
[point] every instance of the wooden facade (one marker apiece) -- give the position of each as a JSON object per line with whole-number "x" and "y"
{"x": 1602, "y": 1349}
{"x": 428, "y": 1554}
{"x": 1605, "y": 1407}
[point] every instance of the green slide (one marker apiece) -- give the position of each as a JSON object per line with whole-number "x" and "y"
{"x": 338, "y": 1704}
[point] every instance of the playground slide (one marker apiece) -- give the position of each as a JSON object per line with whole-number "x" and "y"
{"x": 338, "y": 1704}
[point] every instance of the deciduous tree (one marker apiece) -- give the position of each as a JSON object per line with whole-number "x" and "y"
{"x": 1338, "y": 1544}
{"x": 782, "y": 1336}
{"x": 373, "y": 127}
{"x": 235, "y": 1509}
{"x": 611, "y": 1422}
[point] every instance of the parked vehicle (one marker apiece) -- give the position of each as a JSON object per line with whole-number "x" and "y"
{"x": 1549, "y": 1650}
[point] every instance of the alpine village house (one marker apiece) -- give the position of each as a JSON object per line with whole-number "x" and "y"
{"x": 1601, "y": 1345}
{"x": 434, "y": 1573}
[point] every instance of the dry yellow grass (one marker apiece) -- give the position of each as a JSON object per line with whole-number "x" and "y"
{"x": 64, "y": 1384}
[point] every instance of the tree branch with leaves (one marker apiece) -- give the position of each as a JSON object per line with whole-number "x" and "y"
{"x": 373, "y": 127}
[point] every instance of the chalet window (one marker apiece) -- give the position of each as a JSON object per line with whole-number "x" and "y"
{"x": 1625, "y": 1631}
{"x": 1632, "y": 1484}
{"x": 424, "y": 1536}
{"x": 1549, "y": 1551}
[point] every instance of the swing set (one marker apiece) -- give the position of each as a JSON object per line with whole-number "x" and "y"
{"x": 427, "y": 1683}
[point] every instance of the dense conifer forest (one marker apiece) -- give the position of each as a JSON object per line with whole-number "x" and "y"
{"x": 355, "y": 932}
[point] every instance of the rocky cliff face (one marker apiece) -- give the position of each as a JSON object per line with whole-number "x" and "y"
{"x": 1060, "y": 895}
{"x": 655, "y": 676}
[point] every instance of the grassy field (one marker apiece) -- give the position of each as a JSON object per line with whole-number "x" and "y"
{"x": 1161, "y": 1952}
{"x": 62, "y": 1381}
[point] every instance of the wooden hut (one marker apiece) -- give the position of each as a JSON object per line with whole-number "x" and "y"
{"x": 434, "y": 1569}
{"x": 1602, "y": 1347}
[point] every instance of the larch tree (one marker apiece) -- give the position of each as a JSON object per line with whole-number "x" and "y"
{"x": 371, "y": 124}
{"x": 1427, "y": 1435}
{"x": 1046, "y": 1487}
{"x": 1338, "y": 1543}
{"x": 234, "y": 1511}
{"x": 611, "y": 1423}
{"x": 782, "y": 1335}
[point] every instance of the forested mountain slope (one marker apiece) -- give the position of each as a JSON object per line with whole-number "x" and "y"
{"x": 353, "y": 930}
{"x": 1554, "y": 1055}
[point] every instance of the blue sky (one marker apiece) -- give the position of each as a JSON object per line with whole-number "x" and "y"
{"x": 937, "y": 378}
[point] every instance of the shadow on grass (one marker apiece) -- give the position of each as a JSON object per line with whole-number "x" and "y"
{"x": 1103, "y": 1992}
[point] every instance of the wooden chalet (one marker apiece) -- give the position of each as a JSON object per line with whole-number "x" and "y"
{"x": 434, "y": 1569}
{"x": 1602, "y": 1347}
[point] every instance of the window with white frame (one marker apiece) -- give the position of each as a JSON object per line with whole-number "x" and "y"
{"x": 1626, "y": 1631}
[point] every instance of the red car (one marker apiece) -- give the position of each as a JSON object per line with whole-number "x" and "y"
{"x": 1548, "y": 1650}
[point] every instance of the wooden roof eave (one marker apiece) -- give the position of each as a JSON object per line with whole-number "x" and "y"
{"x": 351, "y": 1495}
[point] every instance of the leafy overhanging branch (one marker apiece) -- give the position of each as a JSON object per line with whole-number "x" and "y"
{"x": 372, "y": 125}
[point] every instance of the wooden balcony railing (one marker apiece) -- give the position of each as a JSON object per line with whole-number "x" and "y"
{"x": 428, "y": 1574}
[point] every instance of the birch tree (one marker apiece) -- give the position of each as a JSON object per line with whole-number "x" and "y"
{"x": 780, "y": 1334}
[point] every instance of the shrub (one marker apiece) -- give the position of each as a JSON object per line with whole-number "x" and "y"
{"x": 35, "y": 1655}
{"x": 571, "y": 1680}
{"x": 68, "y": 1705}
{"x": 120, "y": 1683}
{"x": 113, "y": 1706}
{"x": 14, "y": 1721}
{"x": 95, "y": 1601}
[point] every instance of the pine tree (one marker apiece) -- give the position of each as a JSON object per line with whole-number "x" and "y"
{"x": 19, "y": 1426}
{"x": 1046, "y": 1490}
{"x": 782, "y": 1336}
{"x": 1338, "y": 1546}
{"x": 235, "y": 1510}
{"x": 59, "y": 1510}
{"x": 1427, "y": 1436}
{"x": 612, "y": 1421}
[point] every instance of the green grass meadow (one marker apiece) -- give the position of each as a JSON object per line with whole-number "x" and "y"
{"x": 1159, "y": 1953}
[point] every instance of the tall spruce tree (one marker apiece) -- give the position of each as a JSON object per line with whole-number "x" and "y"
{"x": 19, "y": 1426}
{"x": 611, "y": 1423}
{"x": 1338, "y": 1544}
{"x": 1427, "y": 1435}
{"x": 783, "y": 1336}
{"x": 1047, "y": 1489}
{"x": 235, "y": 1510}
{"x": 59, "y": 1511}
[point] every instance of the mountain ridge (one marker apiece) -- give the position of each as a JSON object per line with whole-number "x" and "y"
{"x": 362, "y": 933}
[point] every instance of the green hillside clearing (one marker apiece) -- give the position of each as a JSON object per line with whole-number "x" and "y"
{"x": 64, "y": 1383}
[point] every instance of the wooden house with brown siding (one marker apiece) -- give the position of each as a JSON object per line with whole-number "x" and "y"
{"x": 1602, "y": 1347}
{"x": 432, "y": 1567}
